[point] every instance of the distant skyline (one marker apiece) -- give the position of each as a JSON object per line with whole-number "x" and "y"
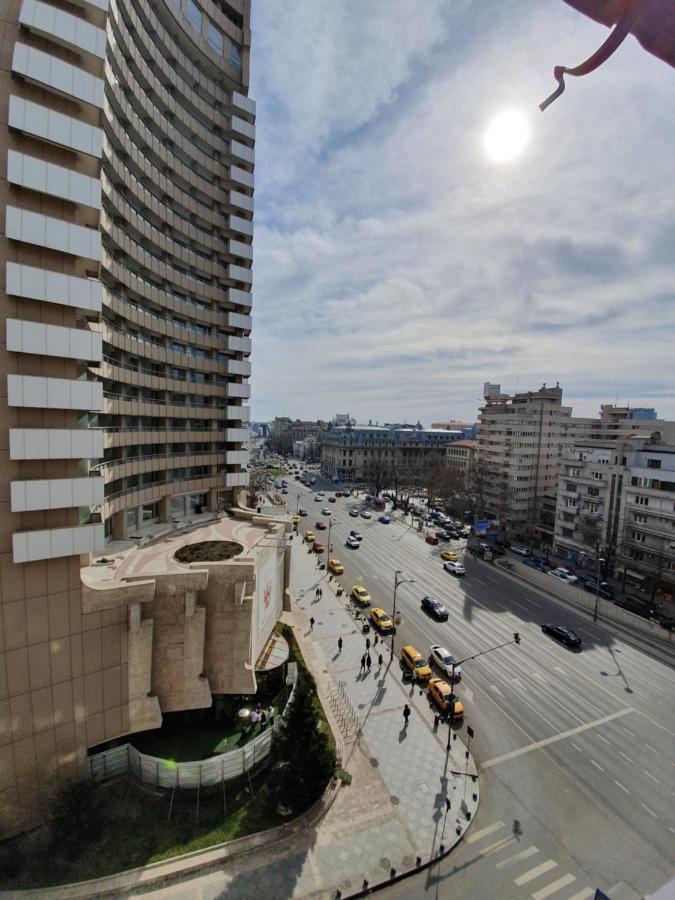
{"x": 397, "y": 268}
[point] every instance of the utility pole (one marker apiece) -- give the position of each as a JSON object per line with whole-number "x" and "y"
{"x": 397, "y": 582}
{"x": 597, "y": 587}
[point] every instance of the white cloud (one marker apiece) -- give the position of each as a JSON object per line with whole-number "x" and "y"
{"x": 396, "y": 270}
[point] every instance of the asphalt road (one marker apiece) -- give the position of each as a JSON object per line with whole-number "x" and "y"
{"x": 575, "y": 750}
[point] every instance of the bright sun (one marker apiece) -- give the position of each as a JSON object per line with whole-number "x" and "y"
{"x": 506, "y": 136}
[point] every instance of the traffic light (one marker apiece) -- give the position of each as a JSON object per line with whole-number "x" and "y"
{"x": 516, "y": 637}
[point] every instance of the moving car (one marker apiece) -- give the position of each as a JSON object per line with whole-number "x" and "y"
{"x": 384, "y": 519}
{"x": 360, "y": 594}
{"x": 563, "y": 575}
{"x": 302, "y": 512}
{"x": 431, "y": 539}
{"x": 352, "y": 543}
{"x": 318, "y": 547}
{"x": 435, "y": 608}
{"x": 415, "y": 663}
{"x": 445, "y": 661}
{"x": 455, "y": 568}
{"x": 336, "y": 566}
{"x": 356, "y": 535}
{"x": 318, "y": 498}
{"x": 325, "y": 511}
{"x": 354, "y": 513}
{"x": 445, "y": 699}
{"x": 321, "y": 525}
{"x": 450, "y": 555}
{"x": 564, "y": 635}
{"x": 309, "y": 536}
{"x": 381, "y": 620}
{"x": 366, "y": 514}
{"x": 331, "y": 499}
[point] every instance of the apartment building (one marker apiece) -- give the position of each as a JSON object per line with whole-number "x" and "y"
{"x": 593, "y": 515}
{"x": 520, "y": 442}
{"x": 127, "y": 145}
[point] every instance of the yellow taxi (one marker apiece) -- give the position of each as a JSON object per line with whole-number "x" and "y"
{"x": 360, "y": 594}
{"x": 336, "y": 566}
{"x": 309, "y": 537}
{"x": 416, "y": 664}
{"x": 381, "y": 620}
{"x": 450, "y": 555}
{"x": 296, "y": 519}
{"x": 442, "y": 695}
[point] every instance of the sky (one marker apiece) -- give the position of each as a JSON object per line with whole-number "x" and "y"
{"x": 397, "y": 267}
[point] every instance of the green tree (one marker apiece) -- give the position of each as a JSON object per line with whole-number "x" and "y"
{"x": 304, "y": 756}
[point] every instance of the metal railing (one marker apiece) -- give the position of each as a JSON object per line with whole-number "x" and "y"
{"x": 227, "y": 766}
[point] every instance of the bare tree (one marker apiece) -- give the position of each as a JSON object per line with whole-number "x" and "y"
{"x": 257, "y": 483}
{"x": 377, "y": 473}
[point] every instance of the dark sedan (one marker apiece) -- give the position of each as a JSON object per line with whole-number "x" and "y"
{"x": 565, "y": 635}
{"x": 435, "y": 608}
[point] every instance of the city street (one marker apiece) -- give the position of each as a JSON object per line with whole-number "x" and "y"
{"x": 575, "y": 749}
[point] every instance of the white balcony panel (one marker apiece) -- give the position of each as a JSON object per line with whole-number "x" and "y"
{"x": 237, "y": 435}
{"x": 33, "y": 228}
{"x": 239, "y": 413}
{"x": 239, "y": 126}
{"x": 236, "y": 479}
{"x": 239, "y": 101}
{"x": 239, "y": 390}
{"x": 55, "y": 493}
{"x": 65, "y": 29}
{"x": 240, "y": 298}
{"x": 238, "y": 367}
{"x": 28, "y": 546}
{"x": 54, "y": 127}
{"x": 53, "y": 340}
{"x": 53, "y": 287}
{"x": 238, "y": 248}
{"x": 241, "y": 151}
{"x": 55, "y": 443}
{"x": 57, "y": 181}
{"x": 238, "y": 344}
{"x": 237, "y": 457}
{"x": 237, "y": 320}
{"x": 54, "y": 393}
{"x": 241, "y": 176}
{"x": 95, "y": 4}
{"x": 243, "y": 226}
{"x": 243, "y": 201}
{"x": 236, "y": 273}
{"x": 56, "y": 75}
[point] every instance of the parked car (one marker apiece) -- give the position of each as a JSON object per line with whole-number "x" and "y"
{"x": 445, "y": 661}
{"x": 435, "y": 608}
{"x": 381, "y": 620}
{"x": 302, "y": 512}
{"x": 445, "y": 699}
{"x": 361, "y": 595}
{"x": 318, "y": 547}
{"x": 564, "y": 575}
{"x": 521, "y": 551}
{"x": 431, "y": 539}
{"x": 415, "y": 663}
{"x": 534, "y": 563}
{"x": 603, "y": 589}
{"x": 336, "y": 566}
{"x": 309, "y": 537}
{"x": 442, "y": 535}
{"x": 450, "y": 555}
{"x": 564, "y": 635}
{"x": 455, "y": 568}
{"x": 641, "y": 606}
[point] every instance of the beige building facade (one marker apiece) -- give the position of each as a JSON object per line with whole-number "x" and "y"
{"x": 462, "y": 456}
{"x": 126, "y": 201}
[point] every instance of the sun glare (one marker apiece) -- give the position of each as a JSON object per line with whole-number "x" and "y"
{"x": 506, "y": 136}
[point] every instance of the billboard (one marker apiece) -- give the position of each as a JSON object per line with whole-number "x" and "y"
{"x": 269, "y": 599}
{"x": 486, "y": 527}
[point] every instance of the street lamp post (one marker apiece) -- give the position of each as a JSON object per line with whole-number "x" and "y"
{"x": 397, "y": 582}
{"x": 597, "y": 588}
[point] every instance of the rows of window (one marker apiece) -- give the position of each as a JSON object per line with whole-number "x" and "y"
{"x": 217, "y": 40}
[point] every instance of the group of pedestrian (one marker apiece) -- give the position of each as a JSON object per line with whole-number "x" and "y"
{"x": 366, "y": 659}
{"x": 318, "y": 593}
{"x": 260, "y": 716}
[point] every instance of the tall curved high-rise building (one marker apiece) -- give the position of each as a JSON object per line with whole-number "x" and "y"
{"x": 126, "y": 211}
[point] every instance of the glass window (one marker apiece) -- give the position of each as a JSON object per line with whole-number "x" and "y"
{"x": 215, "y": 37}
{"x": 132, "y": 519}
{"x": 150, "y": 512}
{"x": 194, "y": 15}
{"x": 235, "y": 55}
{"x": 178, "y": 506}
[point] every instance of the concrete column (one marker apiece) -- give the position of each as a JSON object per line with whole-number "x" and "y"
{"x": 165, "y": 509}
{"x": 119, "y": 526}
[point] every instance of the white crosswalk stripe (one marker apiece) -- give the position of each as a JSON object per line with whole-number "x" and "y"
{"x": 518, "y": 857}
{"x": 484, "y": 832}
{"x": 553, "y": 887}
{"x": 585, "y": 894}
{"x": 535, "y": 873}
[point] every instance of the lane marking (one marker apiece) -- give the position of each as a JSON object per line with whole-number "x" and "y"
{"x": 488, "y": 764}
{"x": 536, "y": 872}
{"x": 468, "y": 693}
{"x": 618, "y": 783}
{"x": 498, "y": 845}
{"x": 576, "y": 747}
{"x": 627, "y": 731}
{"x": 518, "y": 857}
{"x": 597, "y": 765}
{"x": 649, "y": 775}
{"x": 649, "y": 810}
{"x": 495, "y": 690}
{"x": 553, "y": 887}
{"x": 489, "y": 829}
{"x": 583, "y": 894}
{"x": 649, "y": 747}
{"x": 601, "y": 738}
{"x": 626, "y": 756}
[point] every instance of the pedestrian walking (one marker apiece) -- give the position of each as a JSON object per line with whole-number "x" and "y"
{"x": 380, "y": 661}
{"x": 316, "y": 594}
{"x": 406, "y": 714}
{"x": 375, "y": 641}
{"x": 367, "y": 643}
{"x": 339, "y": 645}
{"x": 320, "y": 593}
{"x": 363, "y": 662}
{"x": 369, "y": 661}
{"x": 311, "y": 623}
